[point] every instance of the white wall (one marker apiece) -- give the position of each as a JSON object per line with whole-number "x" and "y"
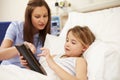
{"x": 85, "y": 5}
{"x": 12, "y": 10}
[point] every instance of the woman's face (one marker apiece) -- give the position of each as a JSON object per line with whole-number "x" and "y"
{"x": 39, "y": 17}
{"x": 73, "y": 47}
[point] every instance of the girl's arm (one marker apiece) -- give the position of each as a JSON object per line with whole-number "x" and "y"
{"x": 81, "y": 71}
{"x": 61, "y": 72}
{"x": 81, "y": 68}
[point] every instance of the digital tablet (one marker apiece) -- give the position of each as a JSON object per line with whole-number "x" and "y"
{"x": 33, "y": 63}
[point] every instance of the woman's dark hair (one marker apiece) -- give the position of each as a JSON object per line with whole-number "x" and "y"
{"x": 28, "y": 26}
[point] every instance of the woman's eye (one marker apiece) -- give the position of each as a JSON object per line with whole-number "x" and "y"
{"x": 37, "y": 16}
{"x": 45, "y": 16}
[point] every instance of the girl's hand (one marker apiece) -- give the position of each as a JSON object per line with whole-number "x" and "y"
{"x": 45, "y": 52}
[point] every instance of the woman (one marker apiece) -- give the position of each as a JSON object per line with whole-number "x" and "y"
{"x": 32, "y": 31}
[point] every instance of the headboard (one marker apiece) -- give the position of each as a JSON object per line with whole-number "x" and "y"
{"x": 100, "y": 5}
{"x": 89, "y": 6}
{"x": 3, "y": 28}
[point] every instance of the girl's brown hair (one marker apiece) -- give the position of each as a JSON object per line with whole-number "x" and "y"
{"x": 83, "y": 34}
{"x": 28, "y": 26}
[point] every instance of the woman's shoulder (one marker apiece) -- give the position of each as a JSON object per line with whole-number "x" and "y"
{"x": 16, "y": 25}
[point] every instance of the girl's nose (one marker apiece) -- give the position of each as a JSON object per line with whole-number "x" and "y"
{"x": 67, "y": 43}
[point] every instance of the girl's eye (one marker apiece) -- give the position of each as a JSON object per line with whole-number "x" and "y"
{"x": 73, "y": 42}
{"x": 66, "y": 40}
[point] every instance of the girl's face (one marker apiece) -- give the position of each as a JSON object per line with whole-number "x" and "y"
{"x": 73, "y": 47}
{"x": 39, "y": 17}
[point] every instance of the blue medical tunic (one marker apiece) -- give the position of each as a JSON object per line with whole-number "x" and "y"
{"x": 15, "y": 34}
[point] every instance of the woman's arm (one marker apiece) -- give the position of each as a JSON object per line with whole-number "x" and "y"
{"x": 6, "y": 50}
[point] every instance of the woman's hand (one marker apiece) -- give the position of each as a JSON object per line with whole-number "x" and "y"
{"x": 23, "y": 62}
{"x": 31, "y": 46}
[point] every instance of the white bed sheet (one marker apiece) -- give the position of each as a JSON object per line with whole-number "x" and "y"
{"x": 12, "y": 72}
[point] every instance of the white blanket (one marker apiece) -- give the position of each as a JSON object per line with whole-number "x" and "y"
{"x": 12, "y": 72}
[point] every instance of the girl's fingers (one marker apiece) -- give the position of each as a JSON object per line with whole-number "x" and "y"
{"x": 43, "y": 51}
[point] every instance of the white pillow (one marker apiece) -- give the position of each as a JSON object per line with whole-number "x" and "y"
{"x": 103, "y": 61}
{"x": 55, "y": 44}
{"x": 74, "y": 18}
{"x": 112, "y": 63}
{"x": 104, "y": 24}
{"x": 95, "y": 60}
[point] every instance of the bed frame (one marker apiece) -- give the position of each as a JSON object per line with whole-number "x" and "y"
{"x": 99, "y": 6}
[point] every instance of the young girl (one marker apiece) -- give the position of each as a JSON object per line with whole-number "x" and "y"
{"x": 71, "y": 65}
